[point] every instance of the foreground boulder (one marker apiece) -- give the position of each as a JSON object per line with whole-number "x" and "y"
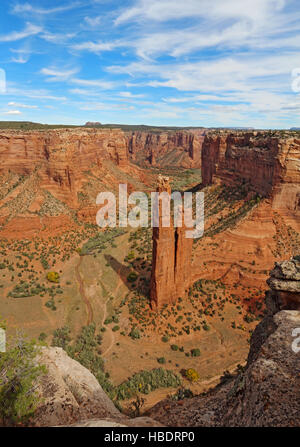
{"x": 69, "y": 391}
{"x": 70, "y": 394}
{"x": 268, "y": 393}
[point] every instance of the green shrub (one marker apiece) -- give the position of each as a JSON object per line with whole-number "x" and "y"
{"x": 42, "y": 336}
{"x": 134, "y": 333}
{"x": 108, "y": 320}
{"x": 53, "y": 277}
{"x": 61, "y": 337}
{"x": 131, "y": 255}
{"x": 161, "y": 360}
{"x": 18, "y": 374}
{"x": 192, "y": 375}
{"x": 147, "y": 381}
{"x": 132, "y": 277}
{"x": 195, "y": 352}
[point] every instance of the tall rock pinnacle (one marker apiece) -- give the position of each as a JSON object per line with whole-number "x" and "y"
{"x": 171, "y": 258}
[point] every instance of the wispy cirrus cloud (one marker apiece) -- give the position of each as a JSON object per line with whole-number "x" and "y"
{"x": 61, "y": 75}
{"x": 105, "y": 106}
{"x": 106, "y": 85}
{"x": 57, "y": 38}
{"x": 97, "y": 47}
{"x": 130, "y": 95}
{"x": 12, "y": 112}
{"x": 54, "y": 74}
{"x": 223, "y": 74}
{"x": 21, "y": 8}
{"x": 166, "y": 10}
{"x": 93, "y": 22}
{"x": 20, "y": 59}
{"x": 21, "y": 106}
{"x": 29, "y": 30}
{"x": 217, "y": 24}
{"x": 38, "y": 94}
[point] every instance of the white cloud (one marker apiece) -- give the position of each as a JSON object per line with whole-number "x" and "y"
{"x": 13, "y": 112}
{"x": 93, "y": 22}
{"x": 130, "y": 95}
{"x": 248, "y": 84}
{"x": 58, "y": 75}
{"x": 242, "y": 74}
{"x": 218, "y": 23}
{"x": 41, "y": 94}
{"x": 23, "y": 53}
{"x": 166, "y": 10}
{"x": 105, "y": 106}
{"x": 97, "y": 47}
{"x": 105, "y": 85}
{"x": 57, "y": 38}
{"x": 29, "y": 30}
{"x": 21, "y": 106}
{"x": 20, "y": 59}
{"x": 197, "y": 98}
{"x": 21, "y": 8}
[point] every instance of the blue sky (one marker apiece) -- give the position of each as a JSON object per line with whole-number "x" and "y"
{"x": 157, "y": 62}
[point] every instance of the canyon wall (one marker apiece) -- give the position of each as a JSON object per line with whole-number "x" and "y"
{"x": 180, "y": 148}
{"x": 61, "y": 156}
{"x": 268, "y": 160}
{"x": 73, "y": 165}
{"x": 270, "y": 163}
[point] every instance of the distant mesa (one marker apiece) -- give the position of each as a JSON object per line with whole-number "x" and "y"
{"x": 93, "y": 124}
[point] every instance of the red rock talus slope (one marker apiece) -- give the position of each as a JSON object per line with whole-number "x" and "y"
{"x": 180, "y": 148}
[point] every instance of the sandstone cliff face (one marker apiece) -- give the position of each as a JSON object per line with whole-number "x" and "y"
{"x": 171, "y": 259}
{"x": 270, "y": 164}
{"x": 61, "y": 156}
{"x": 181, "y": 148}
{"x": 267, "y": 393}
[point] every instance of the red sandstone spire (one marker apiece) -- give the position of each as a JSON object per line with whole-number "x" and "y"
{"x": 171, "y": 259}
